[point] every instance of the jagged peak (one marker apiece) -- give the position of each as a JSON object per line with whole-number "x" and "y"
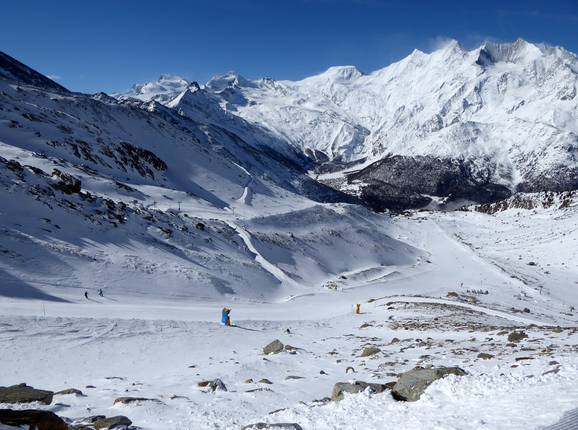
{"x": 228, "y": 80}
{"x": 519, "y": 51}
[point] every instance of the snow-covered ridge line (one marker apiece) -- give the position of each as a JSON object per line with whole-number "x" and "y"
{"x": 507, "y": 111}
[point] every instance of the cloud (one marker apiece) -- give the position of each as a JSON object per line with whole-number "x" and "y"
{"x": 439, "y": 42}
{"x": 54, "y": 77}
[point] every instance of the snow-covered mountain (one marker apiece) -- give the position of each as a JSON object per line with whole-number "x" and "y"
{"x": 100, "y": 186}
{"x": 505, "y": 115}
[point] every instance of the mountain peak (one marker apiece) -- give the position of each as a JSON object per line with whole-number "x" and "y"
{"x": 519, "y": 51}
{"x": 343, "y": 72}
{"x": 228, "y": 80}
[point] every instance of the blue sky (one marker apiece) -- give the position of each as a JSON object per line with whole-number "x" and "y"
{"x": 110, "y": 44}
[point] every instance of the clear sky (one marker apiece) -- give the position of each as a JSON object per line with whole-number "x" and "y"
{"x": 107, "y": 45}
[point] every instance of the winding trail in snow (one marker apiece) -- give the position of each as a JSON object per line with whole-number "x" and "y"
{"x": 477, "y": 308}
{"x": 266, "y": 264}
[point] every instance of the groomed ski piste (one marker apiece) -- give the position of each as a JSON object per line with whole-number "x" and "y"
{"x": 427, "y": 306}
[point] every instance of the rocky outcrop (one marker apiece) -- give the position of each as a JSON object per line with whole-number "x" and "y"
{"x": 543, "y": 200}
{"x": 412, "y": 384}
{"x": 33, "y": 419}
{"x": 24, "y": 394}
{"x": 66, "y": 183}
{"x": 401, "y": 182}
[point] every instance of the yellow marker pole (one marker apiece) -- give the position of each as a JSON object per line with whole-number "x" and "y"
{"x": 358, "y": 308}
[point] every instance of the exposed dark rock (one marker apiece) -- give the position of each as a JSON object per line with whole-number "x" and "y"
{"x": 24, "y": 394}
{"x": 70, "y": 391}
{"x": 101, "y": 422}
{"x": 485, "y": 356}
{"x": 274, "y": 347}
{"x": 214, "y": 385}
{"x": 66, "y": 183}
{"x": 130, "y": 400}
{"x": 517, "y": 336}
{"x": 369, "y": 351}
{"x": 401, "y": 182}
{"x": 412, "y": 384}
{"x": 33, "y": 419}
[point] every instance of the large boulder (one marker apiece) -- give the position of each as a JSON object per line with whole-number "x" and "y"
{"x": 23, "y": 393}
{"x": 265, "y": 426}
{"x": 357, "y": 387}
{"x": 274, "y": 347}
{"x": 33, "y": 419}
{"x": 412, "y": 384}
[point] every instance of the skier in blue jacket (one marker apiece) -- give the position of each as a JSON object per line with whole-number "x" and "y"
{"x": 225, "y": 318}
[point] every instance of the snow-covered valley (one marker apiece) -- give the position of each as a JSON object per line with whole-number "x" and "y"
{"x": 174, "y": 208}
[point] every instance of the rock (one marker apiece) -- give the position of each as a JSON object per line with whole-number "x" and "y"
{"x": 214, "y": 385}
{"x": 411, "y": 385}
{"x": 357, "y": 387}
{"x": 254, "y": 390}
{"x": 129, "y": 400}
{"x": 452, "y": 294}
{"x": 69, "y": 391}
{"x": 369, "y": 351}
{"x": 102, "y": 422}
{"x": 66, "y": 183}
{"x": 249, "y": 381}
{"x": 33, "y": 419}
{"x": 274, "y": 347}
{"x": 24, "y": 394}
{"x": 266, "y": 426}
{"x": 517, "y": 336}
{"x": 485, "y": 356}
{"x": 531, "y": 263}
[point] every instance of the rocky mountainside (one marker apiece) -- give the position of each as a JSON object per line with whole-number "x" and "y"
{"x": 506, "y": 113}
{"x": 93, "y": 187}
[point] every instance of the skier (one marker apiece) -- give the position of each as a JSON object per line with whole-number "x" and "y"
{"x": 100, "y": 293}
{"x": 225, "y": 318}
{"x": 86, "y": 295}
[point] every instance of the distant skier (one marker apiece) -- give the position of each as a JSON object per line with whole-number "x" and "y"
{"x": 86, "y": 295}
{"x": 100, "y": 293}
{"x": 225, "y": 318}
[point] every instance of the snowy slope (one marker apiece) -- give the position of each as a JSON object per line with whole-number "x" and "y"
{"x": 135, "y": 197}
